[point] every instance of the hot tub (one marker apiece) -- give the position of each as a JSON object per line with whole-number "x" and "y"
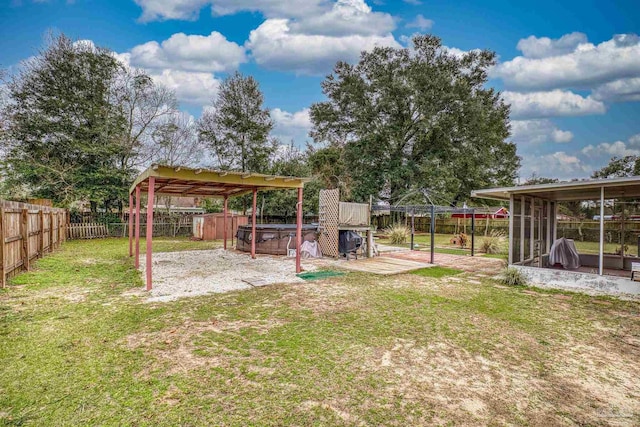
{"x": 273, "y": 238}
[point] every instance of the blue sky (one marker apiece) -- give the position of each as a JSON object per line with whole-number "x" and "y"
{"x": 570, "y": 69}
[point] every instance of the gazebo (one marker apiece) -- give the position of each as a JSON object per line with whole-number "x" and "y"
{"x": 184, "y": 181}
{"x": 533, "y": 223}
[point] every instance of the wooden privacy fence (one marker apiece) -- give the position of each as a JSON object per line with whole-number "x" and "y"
{"x": 87, "y": 231}
{"x": 28, "y": 232}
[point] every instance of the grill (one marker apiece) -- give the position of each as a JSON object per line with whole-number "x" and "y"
{"x": 349, "y": 242}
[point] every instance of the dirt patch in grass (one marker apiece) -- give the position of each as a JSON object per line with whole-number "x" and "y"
{"x": 335, "y": 408}
{"x": 26, "y": 299}
{"x": 456, "y": 287}
{"x": 321, "y": 296}
{"x": 578, "y": 385}
{"x": 177, "y": 347}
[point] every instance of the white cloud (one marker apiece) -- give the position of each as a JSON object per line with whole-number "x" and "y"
{"x": 454, "y": 51}
{"x": 273, "y": 45}
{"x": 539, "y": 131}
{"x": 555, "y": 165}
{"x": 346, "y": 17}
{"x": 85, "y": 43}
{"x": 302, "y": 36}
{"x": 324, "y": 17}
{"x": 212, "y": 53}
{"x": 158, "y": 10}
{"x": 194, "y": 88}
{"x": 299, "y": 119}
{"x": 559, "y": 135}
{"x": 583, "y": 67}
{"x": 420, "y": 22}
{"x": 185, "y": 63}
{"x": 607, "y": 150}
{"x": 543, "y": 47}
{"x": 413, "y": 2}
{"x": 581, "y": 163}
{"x": 286, "y": 151}
{"x": 153, "y": 10}
{"x": 190, "y": 87}
{"x": 291, "y": 126}
{"x": 551, "y": 104}
{"x": 622, "y": 90}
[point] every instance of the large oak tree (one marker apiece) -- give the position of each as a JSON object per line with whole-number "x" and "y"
{"x": 78, "y": 124}
{"x": 411, "y": 120}
{"x": 63, "y": 129}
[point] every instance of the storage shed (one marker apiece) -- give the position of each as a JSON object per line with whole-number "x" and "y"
{"x": 211, "y": 226}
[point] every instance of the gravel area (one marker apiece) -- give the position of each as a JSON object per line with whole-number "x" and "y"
{"x": 191, "y": 273}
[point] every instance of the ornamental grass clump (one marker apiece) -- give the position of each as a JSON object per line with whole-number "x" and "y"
{"x": 513, "y": 277}
{"x": 397, "y": 233}
{"x": 494, "y": 242}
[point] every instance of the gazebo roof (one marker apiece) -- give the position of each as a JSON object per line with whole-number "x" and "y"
{"x": 184, "y": 181}
{"x": 614, "y": 188}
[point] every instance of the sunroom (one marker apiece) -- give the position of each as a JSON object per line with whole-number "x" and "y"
{"x": 537, "y": 242}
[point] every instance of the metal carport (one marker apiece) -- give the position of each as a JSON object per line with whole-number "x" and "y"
{"x": 185, "y": 181}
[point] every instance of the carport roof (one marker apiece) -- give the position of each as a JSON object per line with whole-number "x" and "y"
{"x": 614, "y": 188}
{"x": 184, "y": 181}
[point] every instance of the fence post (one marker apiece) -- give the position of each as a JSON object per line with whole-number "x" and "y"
{"x": 433, "y": 231}
{"x": 41, "y": 234}
{"x": 57, "y": 230}
{"x": 3, "y": 275}
{"x": 24, "y": 231}
{"x": 67, "y": 221}
{"x": 50, "y": 231}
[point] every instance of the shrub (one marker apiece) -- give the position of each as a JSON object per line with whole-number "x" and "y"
{"x": 397, "y": 233}
{"x": 460, "y": 240}
{"x": 513, "y": 277}
{"x": 464, "y": 240}
{"x": 494, "y": 243}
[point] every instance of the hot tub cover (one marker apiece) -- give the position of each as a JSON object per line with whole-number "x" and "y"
{"x": 563, "y": 251}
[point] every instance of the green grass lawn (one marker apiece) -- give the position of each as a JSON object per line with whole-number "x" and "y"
{"x": 609, "y": 248}
{"x": 437, "y": 272}
{"x": 80, "y": 346}
{"x": 442, "y": 245}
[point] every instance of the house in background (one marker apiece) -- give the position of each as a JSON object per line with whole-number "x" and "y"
{"x": 178, "y": 205}
{"x": 484, "y": 213}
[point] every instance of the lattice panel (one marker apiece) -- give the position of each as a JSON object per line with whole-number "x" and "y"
{"x": 328, "y": 213}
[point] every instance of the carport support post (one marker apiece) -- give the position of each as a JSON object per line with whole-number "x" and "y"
{"x": 601, "y": 251}
{"x": 433, "y": 230}
{"x": 130, "y": 224}
{"x": 137, "y": 260}
{"x": 298, "y": 230}
{"x": 224, "y": 222}
{"x": 253, "y": 223}
{"x": 150, "y": 201}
